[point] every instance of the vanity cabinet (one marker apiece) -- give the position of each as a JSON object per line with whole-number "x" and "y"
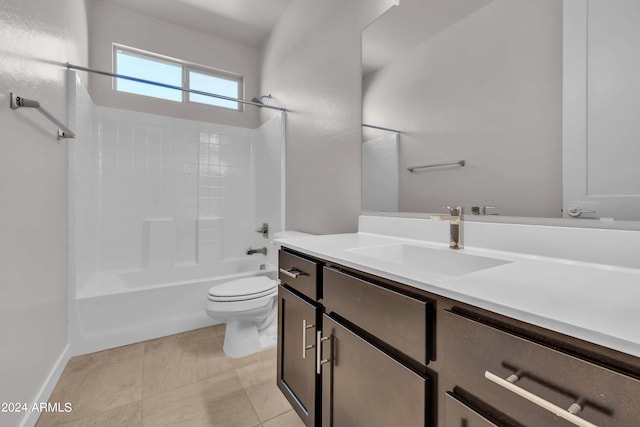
{"x": 524, "y": 382}
{"x": 356, "y": 349}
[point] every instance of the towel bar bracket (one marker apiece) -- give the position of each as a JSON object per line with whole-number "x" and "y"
{"x": 18, "y": 102}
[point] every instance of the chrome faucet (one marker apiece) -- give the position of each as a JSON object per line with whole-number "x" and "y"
{"x": 252, "y": 251}
{"x": 455, "y": 224}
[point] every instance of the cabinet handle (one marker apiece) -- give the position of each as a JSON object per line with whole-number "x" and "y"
{"x": 305, "y": 347}
{"x": 292, "y": 272}
{"x": 568, "y": 415}
{"x": 319, "y": 360}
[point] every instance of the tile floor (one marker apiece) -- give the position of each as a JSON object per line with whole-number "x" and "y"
{"x": 179, "y": 380}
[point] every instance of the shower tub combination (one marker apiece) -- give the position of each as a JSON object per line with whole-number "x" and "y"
{"x": 162, "y": 209}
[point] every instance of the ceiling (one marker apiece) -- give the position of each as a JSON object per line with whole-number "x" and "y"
{"x": 243, "y": 21}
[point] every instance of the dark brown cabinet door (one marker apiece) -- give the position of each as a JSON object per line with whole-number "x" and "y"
{"x": 364, "y": 387}
{"x": 296, "y": 373}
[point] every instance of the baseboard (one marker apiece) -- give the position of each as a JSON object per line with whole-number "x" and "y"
{"x": 45, "y": 391}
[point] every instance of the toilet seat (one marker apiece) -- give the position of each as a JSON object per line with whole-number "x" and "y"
{"x": 243, "y": 289}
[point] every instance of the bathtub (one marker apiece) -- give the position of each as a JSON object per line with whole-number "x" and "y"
{"x": 115, "y": 309}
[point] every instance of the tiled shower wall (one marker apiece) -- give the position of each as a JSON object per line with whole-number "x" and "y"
{"x": 189, "y": 176}
{"x": 157, "y": 192}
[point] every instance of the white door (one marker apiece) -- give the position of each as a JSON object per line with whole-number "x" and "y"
{"x": 601, "y": 109}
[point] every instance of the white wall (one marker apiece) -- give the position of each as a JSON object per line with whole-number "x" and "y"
{"x": 486, "y": 90}
{"x": 37, "y": 37}
{"x": 112, "y": 24}
{"x": 312, "y": 65}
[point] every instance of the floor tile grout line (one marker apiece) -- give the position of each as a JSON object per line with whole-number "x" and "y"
{"x": 277, "y": 416}
{"x": 168, "y": 338}
{"x": 248, "y": 397}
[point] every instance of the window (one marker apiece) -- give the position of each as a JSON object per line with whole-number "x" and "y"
{"x": 208, "y": 82}
{"x": 146, "y": 66}
{"x": 141, "y": 67}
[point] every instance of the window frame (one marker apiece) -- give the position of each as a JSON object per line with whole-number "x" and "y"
{"x": 186, "y": 68}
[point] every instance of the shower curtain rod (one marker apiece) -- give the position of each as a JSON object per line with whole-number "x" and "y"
{"x": 381, "y": 128}
{"x": 150, "y": 82}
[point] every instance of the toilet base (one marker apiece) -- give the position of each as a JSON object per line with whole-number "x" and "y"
{"x": 242, "y": 338}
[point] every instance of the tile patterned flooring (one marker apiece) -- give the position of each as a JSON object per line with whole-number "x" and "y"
{"x": 179, "y": 380}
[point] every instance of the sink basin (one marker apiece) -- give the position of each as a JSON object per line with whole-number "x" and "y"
{"x": 441, "y": 261}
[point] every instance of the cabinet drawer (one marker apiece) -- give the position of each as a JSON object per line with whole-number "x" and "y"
{"x": 394, "y": 318}
{"x": 477, "y": 357}
{"x": 457, "y": 414}
{"x": 299, "y": 273}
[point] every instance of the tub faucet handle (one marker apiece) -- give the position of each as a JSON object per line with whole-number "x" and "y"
{"x": 264, "y": 230}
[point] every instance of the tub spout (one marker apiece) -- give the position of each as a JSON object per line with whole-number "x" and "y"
{"x": 252, "y": 251}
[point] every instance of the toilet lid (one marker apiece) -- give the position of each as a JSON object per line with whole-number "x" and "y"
{"x": 243, "y": 289}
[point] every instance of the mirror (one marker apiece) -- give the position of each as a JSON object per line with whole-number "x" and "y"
{"x": 475, "y": 88}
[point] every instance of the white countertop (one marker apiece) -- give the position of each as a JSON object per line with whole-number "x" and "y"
{"x": 594, "y": 302}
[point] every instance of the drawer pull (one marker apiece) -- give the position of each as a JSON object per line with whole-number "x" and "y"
{"x": 292, "y": 272}
{"x": 305, "y": 347}
{"x": 568, "y": 415}
{"x": 319, "y": 360}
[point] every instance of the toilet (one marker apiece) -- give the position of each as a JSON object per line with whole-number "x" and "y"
{"x": 249, "y": 307}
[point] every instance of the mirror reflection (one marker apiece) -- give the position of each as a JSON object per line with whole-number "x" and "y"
{"x": 475, "y": 88}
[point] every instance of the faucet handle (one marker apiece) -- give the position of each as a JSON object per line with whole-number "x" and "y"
{"x": 264, "y": 230}
{"x": 482, "y": 210}
{"x": 454, "y": 211}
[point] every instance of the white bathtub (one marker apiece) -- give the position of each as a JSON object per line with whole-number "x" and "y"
{"x": 116, "y": 309}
